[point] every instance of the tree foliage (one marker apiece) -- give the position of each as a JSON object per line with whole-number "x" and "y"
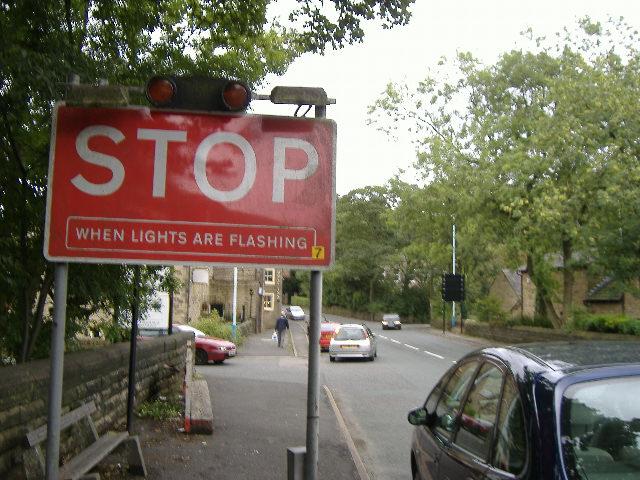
{"x": 535, "y": 156}
{"x": 124, "y": 42}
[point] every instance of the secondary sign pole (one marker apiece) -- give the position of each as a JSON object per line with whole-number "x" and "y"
{"x": 135, "y": 314}
{"x": 234, "y": 307}
{"x": 453, "y": 304}
{"x": 57, "y": 369}
{"x": 313, "y": 381}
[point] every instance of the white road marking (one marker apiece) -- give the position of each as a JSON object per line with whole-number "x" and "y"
{"x": 414, "y": 348}
{"x": 434, "y": 354}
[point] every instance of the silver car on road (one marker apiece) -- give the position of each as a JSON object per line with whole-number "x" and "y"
{"x": 353, "y": 340}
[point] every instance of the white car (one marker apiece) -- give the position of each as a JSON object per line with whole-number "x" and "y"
{"x": 353, "y": 340}
{"x": 294, "y": 313}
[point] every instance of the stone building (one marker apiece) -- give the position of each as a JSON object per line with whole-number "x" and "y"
{"x": 204, "y": 289}
{"x": 517, "y": 294}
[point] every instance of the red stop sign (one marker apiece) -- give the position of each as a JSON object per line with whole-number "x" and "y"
{"x": 134, "y": 185}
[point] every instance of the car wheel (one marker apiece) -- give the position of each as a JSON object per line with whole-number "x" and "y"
{"x": 400, "y": 328}
{"x": 332, "y": 359}
{"x": 201, "y": 357}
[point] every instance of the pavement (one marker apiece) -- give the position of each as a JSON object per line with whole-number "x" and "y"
{"x": 259, "y": 402}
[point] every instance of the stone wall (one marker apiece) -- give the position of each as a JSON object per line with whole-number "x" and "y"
{"x": 100, "y": 375}
{"x": 519, "y": 334}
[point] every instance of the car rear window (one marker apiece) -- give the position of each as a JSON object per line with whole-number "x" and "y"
{"x": 351, "y": 333}
{"x": 600, "y": 427}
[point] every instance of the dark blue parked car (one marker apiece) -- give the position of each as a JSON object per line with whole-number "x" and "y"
{"x": 536, "y": 411}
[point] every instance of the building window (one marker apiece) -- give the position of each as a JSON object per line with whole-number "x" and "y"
{"x": 269, "y": 276}
{"x": 267, "y": 301}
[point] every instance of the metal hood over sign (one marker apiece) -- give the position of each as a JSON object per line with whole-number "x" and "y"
{"x": 141, "y": 186}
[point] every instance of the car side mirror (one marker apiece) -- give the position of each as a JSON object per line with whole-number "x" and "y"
{"x": 418, "y": 416}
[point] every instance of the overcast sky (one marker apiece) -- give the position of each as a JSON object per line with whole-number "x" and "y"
{"x": 356, "y": 75}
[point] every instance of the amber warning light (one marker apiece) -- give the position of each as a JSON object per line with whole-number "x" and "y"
{"x": 160, "y": 91}
{"x": 198, "y": 93}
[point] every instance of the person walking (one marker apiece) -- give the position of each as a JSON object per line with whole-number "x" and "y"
{"x": 282, "y": 324}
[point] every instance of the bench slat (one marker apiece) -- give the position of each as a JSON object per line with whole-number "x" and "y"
{"x": 38, "y": 435}
{"x": 92, "y": 455}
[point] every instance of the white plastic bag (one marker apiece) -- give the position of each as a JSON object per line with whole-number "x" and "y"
{"x": 274, "y": 336}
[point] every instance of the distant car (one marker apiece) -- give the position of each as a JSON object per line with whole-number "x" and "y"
{"x": 353, "y": 341}
{"x": 327, "y": 331}
{"x": 209, "y": 349}
{"x": 294, "y": 313}
{"x": 391, "y": 320}
{"x": 553, "y": 411}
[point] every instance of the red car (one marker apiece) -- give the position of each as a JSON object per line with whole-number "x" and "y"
{"x": 327, "y": 331}
{"x": 209, "y": 349}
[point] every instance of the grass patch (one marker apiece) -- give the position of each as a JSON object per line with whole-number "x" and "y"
{"x": 160, "y": 409}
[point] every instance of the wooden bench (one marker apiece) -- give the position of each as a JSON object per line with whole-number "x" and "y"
{"x": 101, "y": 446}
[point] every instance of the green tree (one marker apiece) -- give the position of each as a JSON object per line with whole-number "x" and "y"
{"x": 291, "y": 285}
{"x": 125, "y": 42}
{"x": 364, "y": 246}
{"x": 533, "y": 145}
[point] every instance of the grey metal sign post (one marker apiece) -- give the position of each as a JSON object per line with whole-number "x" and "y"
{"x": 61, "y": 277}
{"x": 316, "y": 97}
{"x": 57, "y": 368}
{"x": 313, "y": 380}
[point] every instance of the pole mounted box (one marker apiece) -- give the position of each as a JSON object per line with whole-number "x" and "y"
{"x": 453, "y": 287}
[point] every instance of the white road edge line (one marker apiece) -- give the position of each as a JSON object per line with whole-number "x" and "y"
{"x": 434, "y": 355}
{"x": 394, "y": 341}
{"x": 362, "y": 471}
{"x": 293, "y": 343}
{"x": 411, "y": 346}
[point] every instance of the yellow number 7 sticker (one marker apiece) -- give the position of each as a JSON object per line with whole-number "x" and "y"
{"x": 317, "y": 252}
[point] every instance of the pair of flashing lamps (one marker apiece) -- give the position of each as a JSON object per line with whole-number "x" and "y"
{"x": 223, "y": 95}
{"x": 198, "y": 93}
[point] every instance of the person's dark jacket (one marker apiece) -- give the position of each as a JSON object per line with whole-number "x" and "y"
{"x": 282, "y": 323}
